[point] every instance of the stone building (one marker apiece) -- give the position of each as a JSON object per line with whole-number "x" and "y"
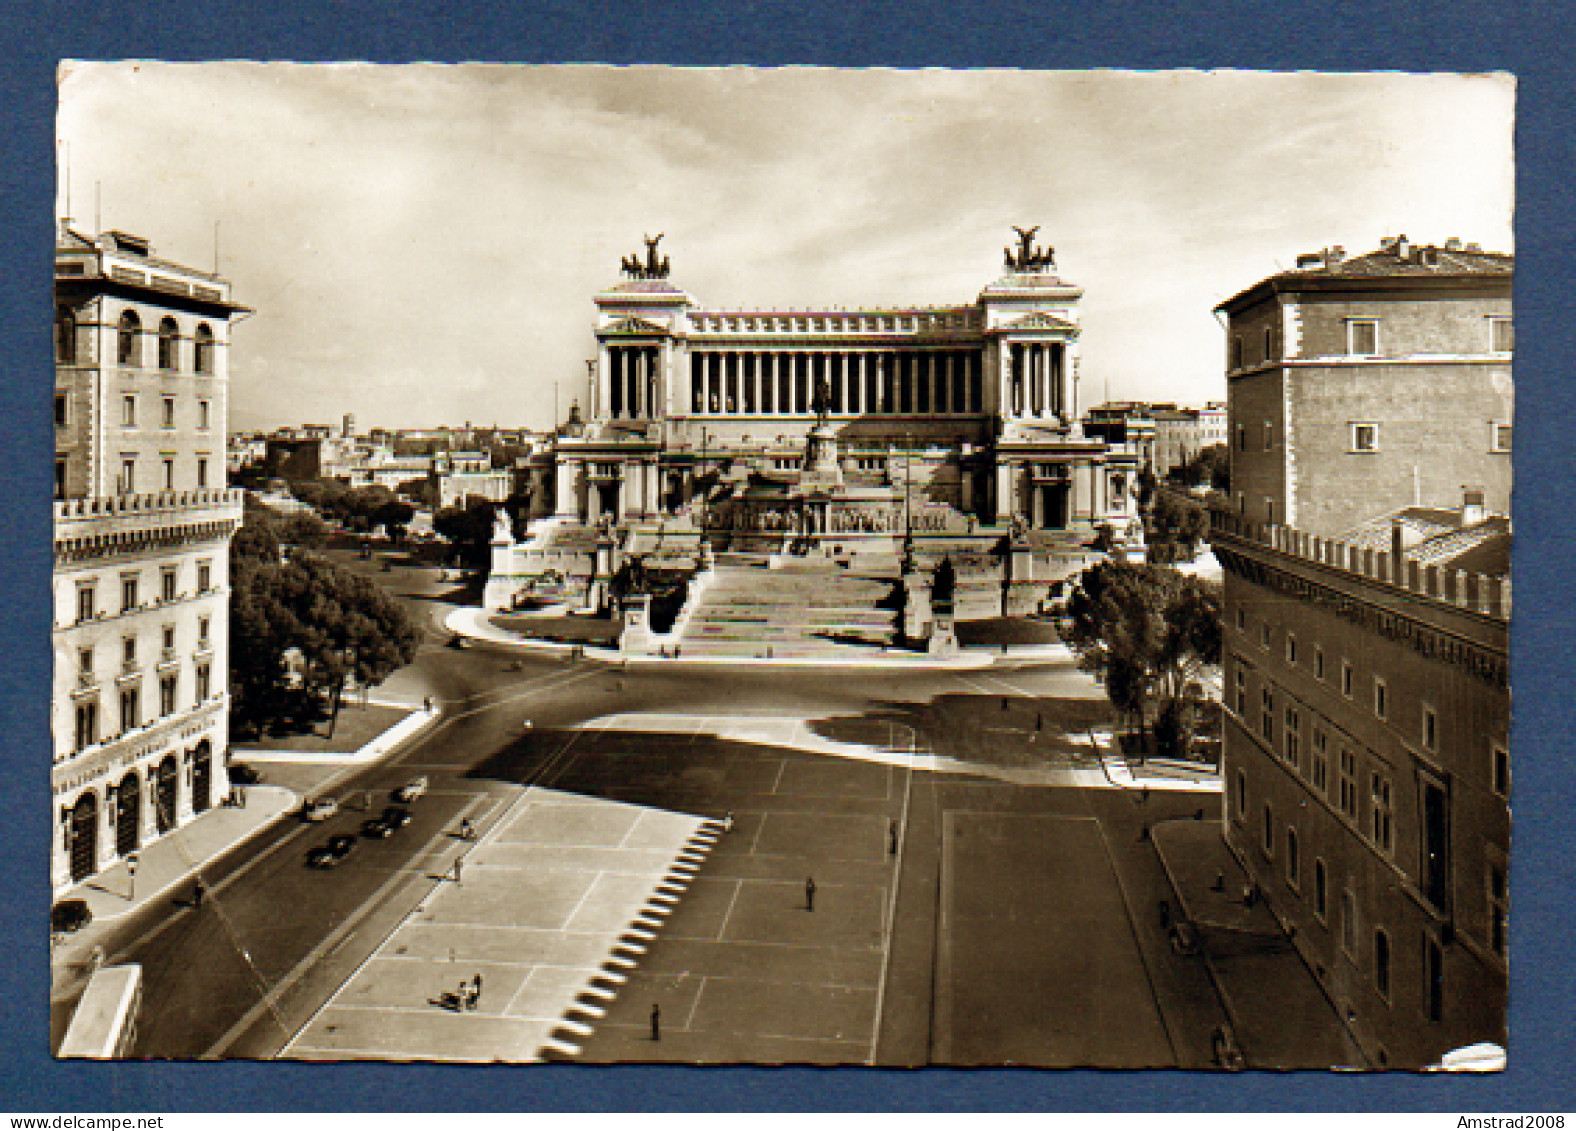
{"x": 142, "y": 526}
{"x": 1327, "y": 369}
{"x": 1366, "y": 745}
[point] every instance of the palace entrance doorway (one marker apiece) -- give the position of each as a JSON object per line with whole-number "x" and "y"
{"x": 164, "y": 794}
{"x": 128, "y": 807}
{"x": 82, "y": 837}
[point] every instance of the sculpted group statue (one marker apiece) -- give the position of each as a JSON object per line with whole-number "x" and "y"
{"x": 821, "y": 402}
{"x": 1027, "y": 257}
{"x": 652, "y": 268}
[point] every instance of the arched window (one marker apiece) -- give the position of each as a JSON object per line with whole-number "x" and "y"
{"x": 128, "y": 346}
{"x": 66, "y": 336}
{"x": 169, "y": 338}
{"x": 203, "y": 349}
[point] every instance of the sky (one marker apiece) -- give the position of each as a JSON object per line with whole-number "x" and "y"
{"x": 421, "y": 244}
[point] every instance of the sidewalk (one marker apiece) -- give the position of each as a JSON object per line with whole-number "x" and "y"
{"x": 1154, "y": 773}
{"x": 1280, "y": 1015}
{"x": 407, "y": 728}
{"x": 475, "y": 624}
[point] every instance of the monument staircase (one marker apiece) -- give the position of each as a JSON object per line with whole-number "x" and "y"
{"x": 809, "y": 609}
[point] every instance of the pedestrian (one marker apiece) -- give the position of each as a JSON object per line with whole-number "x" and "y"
{"x": 198, "y": 891}
{"x": 809, "y": 893}
{"x": 656, "y": 1022}
{"x": 476, "y": 991}
{"x": 1198, "y": 814}
{"x": 459, "y": 863}
{"x": 240, "y": 792}
{"x": 675, "y": 651}
{"x": 462, "y": 997}
{"x": 727, "y": 822}
{"x": 892, "y": 836}
{"x": 426, "y": 703}
{"x": 467, "y": 832}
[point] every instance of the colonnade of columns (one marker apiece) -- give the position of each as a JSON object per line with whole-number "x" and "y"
{"x": 1038, "y": 379}
{"x": 633, "y": 388}
{"x": 860, "y": 382}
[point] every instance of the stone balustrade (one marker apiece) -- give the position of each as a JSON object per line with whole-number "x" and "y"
{"x": 1488, "y": 594}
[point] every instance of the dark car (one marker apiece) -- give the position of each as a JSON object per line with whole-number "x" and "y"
{"x": 337, "y": 848}
{"x": 242, "y": 774}
{"x": 70, "y": 915}
{"x": 395, "y": 817}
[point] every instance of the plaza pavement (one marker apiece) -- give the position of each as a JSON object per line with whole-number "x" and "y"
{"x": 552, "y": 908}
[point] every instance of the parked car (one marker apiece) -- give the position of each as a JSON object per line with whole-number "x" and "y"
{"x": 411, "y": 790}
{"x": 70, "y": 915}
{"x": 330, "y": 854}
{"x": 242, "y": 774}
{"x": 320, "y": 809}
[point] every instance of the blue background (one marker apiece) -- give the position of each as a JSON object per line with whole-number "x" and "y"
{"x": 1533, "y": 41}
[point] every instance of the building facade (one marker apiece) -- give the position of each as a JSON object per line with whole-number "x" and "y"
{"x": 1366, "y": 743}
{"x": 143, "y": 522}
{"x": 982, "y": 399}
{"x": 1326, "y": 366}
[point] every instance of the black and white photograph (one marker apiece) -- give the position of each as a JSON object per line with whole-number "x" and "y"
{"x": 782, "y": 566}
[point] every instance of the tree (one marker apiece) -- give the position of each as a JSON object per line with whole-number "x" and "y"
{"x": 1146, "y": 630}
{"x": 1175, "y": 524}
{"x": 393, "y": 516}
{"x": 1210, "y": 467}
{"x": 343, "y": 625}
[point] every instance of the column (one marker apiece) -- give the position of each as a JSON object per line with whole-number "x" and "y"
{"x": 933, "y": 367}
{"x": 1064, "y": 399}
{"x": 949, "y": 380}
{"x": 599, "y": 405}
{"x": 756, "y": 404}
{"x": 1003, "y": 502}
{"x": 642, "y": 382}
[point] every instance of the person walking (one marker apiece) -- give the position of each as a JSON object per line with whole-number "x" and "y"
{"x": 727, "y": 822}
{"x": 462, "y": 997}
{"x": 467, "y": 831}
{"x": 459, "y": 866}
{"x": 656, "y": 1022}
{"x": 476, "y": 991}
{"x": 199, "y": 890}
{"x": 809, "y": 893}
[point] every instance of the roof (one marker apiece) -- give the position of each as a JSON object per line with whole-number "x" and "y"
{"x": 1397, "y": 261}
{"x": 1437, "y": 537}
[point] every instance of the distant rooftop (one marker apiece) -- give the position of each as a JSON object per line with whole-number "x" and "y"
{"x": 1398, "y": 255}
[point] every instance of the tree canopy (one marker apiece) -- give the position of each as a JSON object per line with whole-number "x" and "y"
{"x": 342, "y": 625}
{"x": 468, "y": 530}
{"x": 1176, "y": 527}
{"x": 1146, "y": 630}
{"x": 1210, "y": 467}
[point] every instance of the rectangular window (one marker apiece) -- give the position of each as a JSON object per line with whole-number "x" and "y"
{"x": 62, "y": 415}
{"x": 169, "y": 639}
{"x": 60, "y": 477}
{"x": 128, "y": 476}
{"x": 1430, "y": 729}
{"x": 87, "y": 604}
{"x": 1318, "y": 663}
{"x": 1381, "y": 698}
{"x": 1242, "y": 691}
{"x": 1362, "y": 336}
{"x": 1382, "y": 963}
{"x": 1269, "y": 435}
{"x": 167, "y": 585}
{"x": 1291, "y": 648}
{"x": 1498, "y": 910}
{"x": 1348, "y": 783}
{"x": 204, "y": 680}
{"x": 85, "y": 661}
{"x": 1320, "y": 768}
{"x": 1349, "y": 922}
{"x": 1365, "y": 436}
{"x": 128, "y": 410}
{"x": 1499, "y": 435}
{"x": 128, "y": 709}
{"x": 203, "y": 418}
{"x": 1242, "y": 437}
{"x": 1346, "y": 679}
{"x": 1382, "y": 814}
{"x": 1293, "y": 860}
{"x": 1269, "y": 831}
{"x": 1502, "y": 335}
{"x": 1242, "y": 619}
{"x": 204, "y": 576}
{"x": 167, "y": 687}
{"x": 87, "y": 724}
{"x": 202, "y": 472}
{"x": 128, "y": 651}
{"x": 1294, "y": 737}
{"x": 1267, "y": 714}
{"x": 169, "y": 412}
{"x": 1501, "y": 771}
{"x": 204, "y": 625}
{"x": 1321, "y": 890}
{"x": 1269, "y": 343}
{"x": 1242, "y": 794}
{"x": 1264, "y": 635}
{"x": 1435, "y": 844}
{"x": 169, "y": 475}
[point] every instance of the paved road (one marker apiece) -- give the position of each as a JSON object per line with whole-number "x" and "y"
{"x": 935, "y": 953}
